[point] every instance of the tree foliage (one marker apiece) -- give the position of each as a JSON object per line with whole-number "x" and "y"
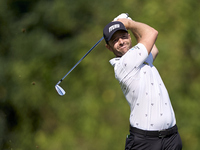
{"x": 40, "y": 40}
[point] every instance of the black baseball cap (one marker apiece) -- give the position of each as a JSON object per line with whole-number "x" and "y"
{"x": 111, "y": 28}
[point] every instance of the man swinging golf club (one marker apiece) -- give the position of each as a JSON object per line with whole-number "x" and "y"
{"x": 152, "y": 119}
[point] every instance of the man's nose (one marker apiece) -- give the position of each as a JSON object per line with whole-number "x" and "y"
{"x": 120, "y": 41}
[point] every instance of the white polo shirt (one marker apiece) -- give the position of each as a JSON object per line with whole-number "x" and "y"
{"x": 144, "y": 90}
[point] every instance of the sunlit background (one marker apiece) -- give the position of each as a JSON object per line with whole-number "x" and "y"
{"x": 41, "y": 40}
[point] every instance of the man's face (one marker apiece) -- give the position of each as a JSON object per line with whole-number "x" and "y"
{"x": 120, "y": 43}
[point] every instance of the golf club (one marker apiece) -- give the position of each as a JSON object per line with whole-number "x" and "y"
{"x": 59, "y": 89}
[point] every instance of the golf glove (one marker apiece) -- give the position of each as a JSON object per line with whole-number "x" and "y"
{"x": 123, "y": 15}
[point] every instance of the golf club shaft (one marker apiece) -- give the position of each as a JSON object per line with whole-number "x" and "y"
{"x": 80, "y": 60}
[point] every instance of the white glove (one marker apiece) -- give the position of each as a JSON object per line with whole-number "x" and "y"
{"x": 123, "y": 15}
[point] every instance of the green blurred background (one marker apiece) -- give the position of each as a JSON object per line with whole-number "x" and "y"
{"x": 41, "y": 40}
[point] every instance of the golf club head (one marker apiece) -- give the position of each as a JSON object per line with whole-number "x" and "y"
{"x": 60, "y": 90}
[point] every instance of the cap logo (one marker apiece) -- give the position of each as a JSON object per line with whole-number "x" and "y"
{"x": 113, "y": 27}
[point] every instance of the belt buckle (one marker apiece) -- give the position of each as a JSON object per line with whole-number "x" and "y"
{"x": 160, "y": 135}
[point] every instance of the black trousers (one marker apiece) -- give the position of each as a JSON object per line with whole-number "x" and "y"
{"x": 153, "y": 140}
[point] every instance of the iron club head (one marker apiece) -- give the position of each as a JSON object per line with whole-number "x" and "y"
{"x": 60, "y": 90}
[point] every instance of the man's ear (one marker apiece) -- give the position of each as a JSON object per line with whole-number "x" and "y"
{"x": 108, "y": 47}
{"x": 129, "y": 36}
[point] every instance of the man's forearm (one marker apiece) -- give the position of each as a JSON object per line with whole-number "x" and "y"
{"x": 140, "y": 30}
{"x": 143, "y": 33}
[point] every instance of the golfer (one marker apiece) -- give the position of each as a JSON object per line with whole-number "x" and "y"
{"x": 152, "y": 119}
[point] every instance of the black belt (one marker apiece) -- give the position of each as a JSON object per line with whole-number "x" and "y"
{"x": 160, "y": 134}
